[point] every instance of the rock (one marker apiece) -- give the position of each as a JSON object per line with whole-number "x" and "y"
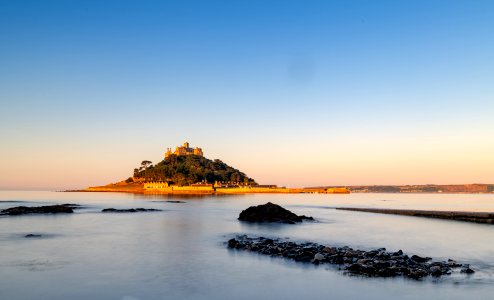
{"x": 386, "y": 272}
{"x": 32, "y": 235}
{"x": 304, "y": 257}
{"x": 318, "y": 256}
{"x": 453, "y": 264}
{"x": 416, "y": 273}
{"x": 329, "y": 250}
{"x": 364, "y": 261}
{"x": 130, "y": 210}
{"x": 435, "y": 271}
{"x": 381, "y": 264}
{"x": 232, "y": 243}
{"x": 355, "y": 268}
{"x": 268, "y": 242}
{"x": 270, "y": 212}
{"x": 466, "y": 269}
{"x": 419, "y": 259}
{"x": 49, "y": 209}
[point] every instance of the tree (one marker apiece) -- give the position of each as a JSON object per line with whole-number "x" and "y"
{"x": 146, "y": 164}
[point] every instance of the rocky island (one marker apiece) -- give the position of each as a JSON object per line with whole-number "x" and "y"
{"x": 187, "y": 171}
{"x": 271, "y": 213}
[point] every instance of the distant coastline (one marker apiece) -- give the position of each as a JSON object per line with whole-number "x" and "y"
{"x": 476, "y": 188}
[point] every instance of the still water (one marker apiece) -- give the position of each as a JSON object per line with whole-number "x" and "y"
{"x": 179, "y": 253}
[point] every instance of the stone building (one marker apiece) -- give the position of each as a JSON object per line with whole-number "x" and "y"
{"x": 184, "y": 150}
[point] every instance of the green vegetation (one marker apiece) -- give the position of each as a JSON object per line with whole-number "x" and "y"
{"x": 189, "y": 169}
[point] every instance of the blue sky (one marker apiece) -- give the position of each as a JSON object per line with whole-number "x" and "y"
{"x": 291, "y": 92}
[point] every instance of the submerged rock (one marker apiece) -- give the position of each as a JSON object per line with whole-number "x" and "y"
{"x": 49, "y": 209}
{"x": 374, "y": 263}
{"x": 32, "y": 235}
{"x": 130, "y": 210}
{"x": 270, "y": 213}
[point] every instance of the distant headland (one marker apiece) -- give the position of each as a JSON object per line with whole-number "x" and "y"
{"x": 476, "y": 188}
{"x": 187, "y": 171}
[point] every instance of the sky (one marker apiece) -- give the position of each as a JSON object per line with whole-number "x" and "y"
{"x": 294, "y": 93}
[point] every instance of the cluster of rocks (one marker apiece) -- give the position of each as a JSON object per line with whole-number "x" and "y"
{"x": 270, "y": 213}
{"x": 374, "y": 263}
{"x": 129, "y": 210}
{"x": 49, "y": 209}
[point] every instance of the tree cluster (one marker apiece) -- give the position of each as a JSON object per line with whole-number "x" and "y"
{"x": 189, "y": 169}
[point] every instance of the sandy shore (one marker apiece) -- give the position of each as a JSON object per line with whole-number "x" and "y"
{"x": 477, "y": 217}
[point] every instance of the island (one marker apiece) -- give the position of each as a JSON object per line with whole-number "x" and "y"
{"x": 187, "y": 171}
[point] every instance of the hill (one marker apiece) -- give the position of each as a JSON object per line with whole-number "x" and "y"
{"x": 189, "y": 169}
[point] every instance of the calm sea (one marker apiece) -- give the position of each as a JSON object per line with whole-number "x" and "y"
{"x": 179, "y": 253}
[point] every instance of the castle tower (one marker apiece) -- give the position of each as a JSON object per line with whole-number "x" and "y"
{"x": 168, "y": 152}
{"x": 184, "y": 150}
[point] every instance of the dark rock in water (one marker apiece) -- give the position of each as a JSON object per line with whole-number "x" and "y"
{"x": 416, "y": 273}
{"x": 49, "y": 209}
{"x": 374, "y": 263}
{"x": 270, "y": 212}
{"x": 232, "y": 243}
{"x": 419, "y": 259}
{"x": 130, "y": 210}
{"x": 453, "y": 263}
{"x": 435, "y": 271}
{"x": 466, "y": 269}
{"x": 32, "y": 235}
{"x": 175, "y": 201}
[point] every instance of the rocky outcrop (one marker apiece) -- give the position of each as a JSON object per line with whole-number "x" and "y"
{"x": 374, "y": 263}
{"x": 130, "y": 210}
{"x": 477, "y": 217}
{"x": 270, "y": 212}
{"x": 49, "y": 209}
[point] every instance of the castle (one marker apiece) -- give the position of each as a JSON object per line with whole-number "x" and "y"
{"x": 184, "y": 150}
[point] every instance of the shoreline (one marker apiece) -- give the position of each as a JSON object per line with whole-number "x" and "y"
{"x": 141, "y": 190}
